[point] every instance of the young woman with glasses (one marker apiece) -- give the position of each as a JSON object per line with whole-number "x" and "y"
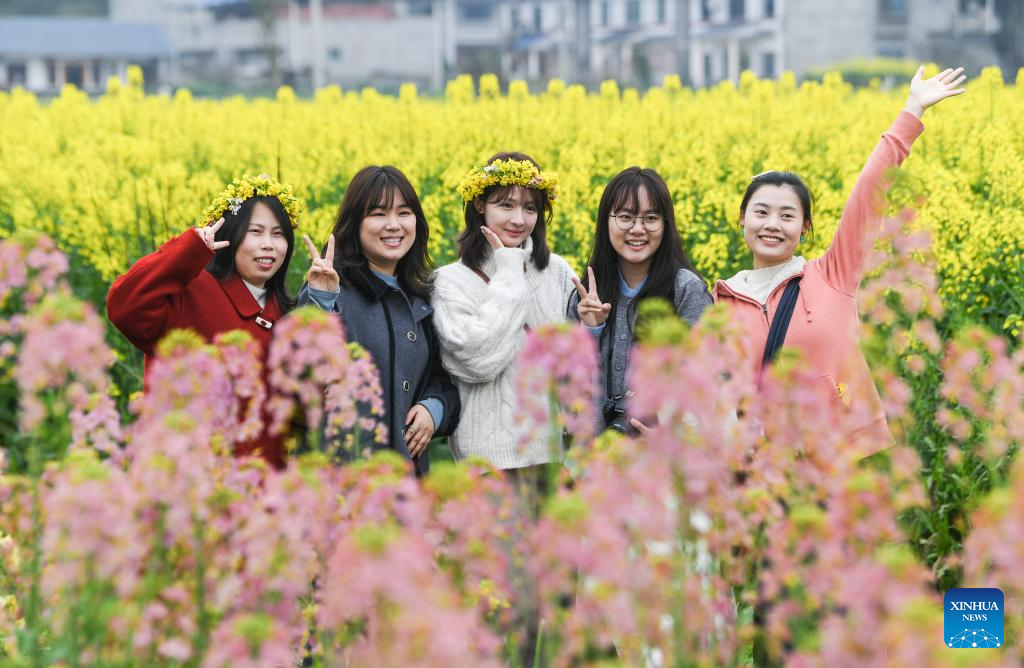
{"x": 637, "y": 254}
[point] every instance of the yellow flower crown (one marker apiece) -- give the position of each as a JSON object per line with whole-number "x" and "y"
{"x": 252, "y": 186}
{"x": 507, "y": 173}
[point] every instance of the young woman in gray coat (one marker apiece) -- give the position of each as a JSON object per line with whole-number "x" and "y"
{"x": 375, "y": 274}
{"x": 637, "y": 254}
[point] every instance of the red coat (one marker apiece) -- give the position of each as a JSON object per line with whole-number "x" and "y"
{"x": 171, "y": 289}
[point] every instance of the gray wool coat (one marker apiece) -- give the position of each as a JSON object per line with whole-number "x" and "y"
{"x": 396, "y": 329}
{"x": 690, "y": 298}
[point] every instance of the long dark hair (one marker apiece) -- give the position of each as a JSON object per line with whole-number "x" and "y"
{"x": 473, "y": 246}
{"x": 235, "y": 226}
{"x": 375, "y": 187}
{"x": 623, "y": 194}
{"x": 776, "y": 178}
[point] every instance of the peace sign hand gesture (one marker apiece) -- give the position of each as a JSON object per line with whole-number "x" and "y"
{"x": 592, "y": 311}
{"x": 208, "y": 233}
{"x": 322, "y": 274}
{"x": 926, "y": 92}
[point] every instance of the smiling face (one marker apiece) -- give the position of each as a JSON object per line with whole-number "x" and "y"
{"x": 387, "y": 234}
{"x": 772, "y": 225}
{"x": 637, "y": 245}
{"x": 263, "y": 248}
{"x": 512, "y": 216}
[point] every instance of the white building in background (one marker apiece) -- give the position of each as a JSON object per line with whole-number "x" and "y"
{"x": 770, "y": 36}
{"x": 382, "y": 43}
{"x": 634, "y": 41}
{"x": 360, "y": 43}
{"x": 43, "y": 54}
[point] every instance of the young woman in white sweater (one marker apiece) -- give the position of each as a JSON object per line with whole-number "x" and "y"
{"x": 505, "y": 282}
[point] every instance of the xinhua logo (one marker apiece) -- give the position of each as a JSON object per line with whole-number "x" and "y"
{"x": 974, "y": 618}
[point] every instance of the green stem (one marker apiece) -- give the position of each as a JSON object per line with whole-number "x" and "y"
{"x": 201, "y": 639}
{"x": 32, "y": 608}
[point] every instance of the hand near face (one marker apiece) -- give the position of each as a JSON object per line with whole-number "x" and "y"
{"x": 322, "y": 274}
{"x": 592, "y": 311}
{"x": 492, "y": 238}
{"x": 208, "y": 233}
{"x": 420, "y": 429}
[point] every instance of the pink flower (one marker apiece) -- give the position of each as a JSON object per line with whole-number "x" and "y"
{"x": 556, "y": 384}
{"x": 309, "y": 359}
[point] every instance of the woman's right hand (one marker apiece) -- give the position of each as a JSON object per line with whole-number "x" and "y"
{"x": 492, "y": 238}
{"x": 592, "y": 311}
{"x": 208, "y": 233}
{"x": 322, "y": 274}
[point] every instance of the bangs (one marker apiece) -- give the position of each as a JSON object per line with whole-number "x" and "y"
{"x": 380, "y": 194}
{"x": 626, "y": 195}
{"x": 502, "y": 194}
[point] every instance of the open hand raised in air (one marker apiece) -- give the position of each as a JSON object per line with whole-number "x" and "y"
{"x": 927, "y": 92}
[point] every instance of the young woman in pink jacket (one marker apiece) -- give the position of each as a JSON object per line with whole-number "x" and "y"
{"x": 775, "y": 214}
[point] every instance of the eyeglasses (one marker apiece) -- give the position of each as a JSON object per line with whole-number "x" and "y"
{"x": 651, "y": 221}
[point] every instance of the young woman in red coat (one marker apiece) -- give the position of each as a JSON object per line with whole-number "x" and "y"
{"x": 226, "y": 275}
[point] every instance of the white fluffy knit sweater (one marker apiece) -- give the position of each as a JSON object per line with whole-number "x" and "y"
{"x": 480, "y": 328}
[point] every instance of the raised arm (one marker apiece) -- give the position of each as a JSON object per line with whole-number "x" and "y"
{"x": 143, "y": 303}
{"x": 843, "y": 262}
{"x": 480, "y": 331}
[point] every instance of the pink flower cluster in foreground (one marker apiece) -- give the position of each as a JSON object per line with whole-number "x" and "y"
{"x": 155, "y": 546}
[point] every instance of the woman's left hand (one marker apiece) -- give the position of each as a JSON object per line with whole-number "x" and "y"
{"x": 420, "y": 429}
{"x": 927, "y": 92}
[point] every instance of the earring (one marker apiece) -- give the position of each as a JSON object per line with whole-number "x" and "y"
{"x": 802, "y": 238}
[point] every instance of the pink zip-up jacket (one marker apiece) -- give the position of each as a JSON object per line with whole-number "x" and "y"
{"x": 825, "y": 322}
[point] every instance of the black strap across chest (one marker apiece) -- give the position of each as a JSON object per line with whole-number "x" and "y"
{"x": 780, "y": 322}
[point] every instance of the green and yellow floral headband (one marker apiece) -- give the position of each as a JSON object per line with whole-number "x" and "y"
{"x": 252, "y": 186}
{"x": 507, "y": 173}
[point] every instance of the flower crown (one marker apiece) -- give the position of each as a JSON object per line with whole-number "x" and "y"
{"x": 507, "y": 173}
{"x": 252, "y": 186}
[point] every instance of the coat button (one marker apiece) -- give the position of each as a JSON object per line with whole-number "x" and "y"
{"x": 623, "y": 337}
{"x": 405, "y": 385}
{"x": 411, "y": 336}
{"x": 618, "y": 367}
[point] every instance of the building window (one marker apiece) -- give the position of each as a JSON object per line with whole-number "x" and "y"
{"x": 632, "y": 12}
{"x": 662, "y": 11}
{"x": 334, "y": 54}
{"x": 513, "y": 16}
{"x": 17, "y": 74}
{"x": 737, "y": 9}
{"x": 768, "y": 65}
{"x": 893, "y": 9}
{"x": 705, "y": 10}
{"x": 707, "y": 69}
{"x": 769, "y": 8}
{"x": 420, "y": 7}
{"x": 604, "y": 13}
{"x": 538, "y": 18}
{"x": 474, "y": 10}
{"x": 74, "y": 74}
